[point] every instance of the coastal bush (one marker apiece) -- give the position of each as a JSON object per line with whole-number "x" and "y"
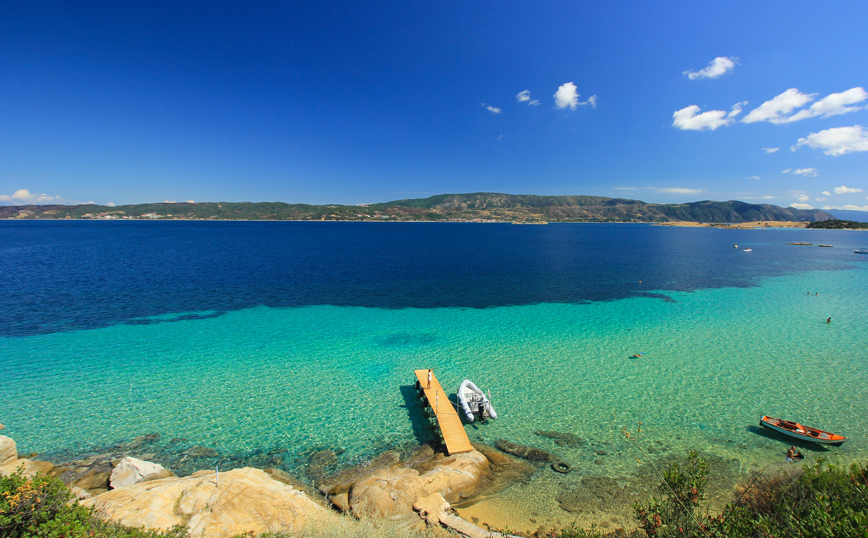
{"x": 677, "y": 513}
{"x": 43, "y": 507}
{"x": 795, "y": 501}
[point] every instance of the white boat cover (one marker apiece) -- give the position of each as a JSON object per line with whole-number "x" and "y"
{"x": 470, "y": 396}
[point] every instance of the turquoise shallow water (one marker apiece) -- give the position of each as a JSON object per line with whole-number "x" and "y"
{"x": 307, "y": 378}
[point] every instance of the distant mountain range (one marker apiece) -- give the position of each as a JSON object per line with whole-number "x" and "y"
{"x": 845, "y": 214}
{"x": 482, "y": 206}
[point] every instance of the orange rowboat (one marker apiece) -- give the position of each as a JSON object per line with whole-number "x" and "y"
{"x": 805, "y": 433}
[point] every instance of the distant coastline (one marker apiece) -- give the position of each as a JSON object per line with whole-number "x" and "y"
{"x": 474, "y": 207}
{"x": 738, "y": 225}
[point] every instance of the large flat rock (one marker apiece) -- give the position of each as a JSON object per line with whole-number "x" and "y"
{"x": 245, "y": 500}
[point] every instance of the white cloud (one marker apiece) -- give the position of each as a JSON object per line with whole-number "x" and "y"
{"x": 754, "y": 177}
{"x": 801, "y": 171}
{"x": 524, "y": 97}
{"x": 111, "y": 204}
{"x": 836, "y": 141}
{"x": 846, "y": 190}
{"x": 775, "y": 111}
{"x": 716, "y": 68}
{"x": 801, "y": 206}
{"x": 689, "y": 119}
{"x": 592, "y": 100}
{"x": 820, "y": 199}
{"x": 770, "y": 150}
{"x": 778, "y": 110}
{"x": 492, "y": 109}
{"x": 803, "y": 197}
{"x": 680, "y": 190}
{"x": 567, "y": 96}
{"x": 848, "y": 207}
{"x": 832, "y": 105}
{"x": 826, "y": 193}
{"x": 25, "y": 197}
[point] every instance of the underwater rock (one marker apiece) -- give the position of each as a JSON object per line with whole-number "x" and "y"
{"x": 142, "y": 440}
{"x": 320, "y": 463}
{"x": 526, "y": 452}
{"x": 562, "y": 438}
{"x": 597, "y": 493}
{"x": 200, "y": 452}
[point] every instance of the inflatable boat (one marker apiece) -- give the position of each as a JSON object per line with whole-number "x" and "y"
{"x": 473, "y": 402}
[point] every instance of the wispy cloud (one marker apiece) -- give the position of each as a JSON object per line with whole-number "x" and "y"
{"x": 848, "y": 207}
{"x": 524, "y": 97}
{"x": 770, "y": 150}
{"x": 832, "y": 105}
{"x": 775, "y": 110}
{"x": 801, "y": 171}
{"x": 846, "y": 190}
{"x": 679, "y": 190}
{"x": 717, "y": 67}
{"x": 25, "y": 197}
{"x": 801, "y": 206}
{"x": 779, "y": 110}
{"x": 492, "y": 109}
{"x": 836, "y": 141}
{"x": 803, "y": 197}
{"x": 689, "y": 118}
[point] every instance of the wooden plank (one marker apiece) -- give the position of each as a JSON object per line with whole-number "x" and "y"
{"x": 447, "y": 416}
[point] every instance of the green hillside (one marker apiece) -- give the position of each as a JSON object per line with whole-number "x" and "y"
{"x": 444, "y": 207}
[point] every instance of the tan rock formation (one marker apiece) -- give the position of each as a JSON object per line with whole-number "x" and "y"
{"x": 131, "y": 471}
{"x": 10, "y": 462}
{"x": 391, "y": 492}
{"x": 244, "y": 500}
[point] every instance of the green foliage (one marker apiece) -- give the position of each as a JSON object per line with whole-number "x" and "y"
{"x": 677, "y": 512}
{"x": 797, "y": 501}
{"x": 42, "y": 507}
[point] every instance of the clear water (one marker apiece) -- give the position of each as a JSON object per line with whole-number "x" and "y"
{"x": 296, "y": 378}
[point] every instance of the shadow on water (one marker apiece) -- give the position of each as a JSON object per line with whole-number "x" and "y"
{"x": 421, "y": 425}
{"x": 790, "y": 441}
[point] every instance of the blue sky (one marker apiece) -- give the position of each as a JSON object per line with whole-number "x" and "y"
{"x": 357, "y": 102}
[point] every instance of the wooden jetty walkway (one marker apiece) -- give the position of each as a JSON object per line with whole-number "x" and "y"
{"x": 447, "y": 417}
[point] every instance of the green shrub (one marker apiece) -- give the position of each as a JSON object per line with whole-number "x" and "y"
{"x": 42, "y": 507}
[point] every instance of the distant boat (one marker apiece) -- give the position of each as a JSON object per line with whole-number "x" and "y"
{"x": 747, "y": 250}
{"x": 861, "y": 251}
{"x": 473, "y": 402}
{"x": 805, "y": 433}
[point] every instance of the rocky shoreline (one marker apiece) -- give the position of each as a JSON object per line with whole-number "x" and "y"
{"x": 414, "y": 489}
{"x": 135, "y": 483}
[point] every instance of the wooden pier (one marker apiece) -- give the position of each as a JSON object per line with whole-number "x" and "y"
{"x": 448, "y": 420}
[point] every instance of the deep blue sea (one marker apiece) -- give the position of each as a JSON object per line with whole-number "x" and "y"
{"x": 270, "y": 341}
